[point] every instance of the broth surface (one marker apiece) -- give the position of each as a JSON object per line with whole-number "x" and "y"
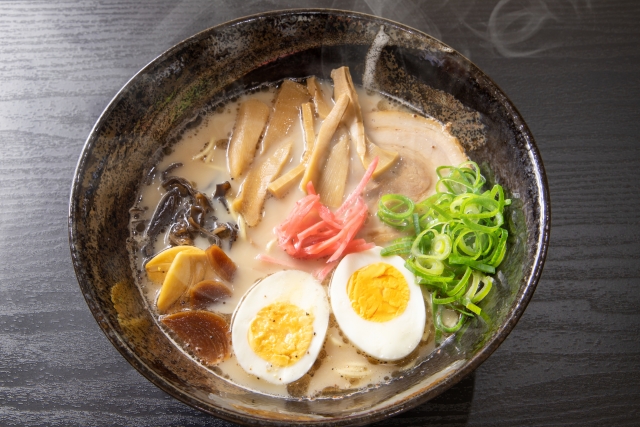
{"x": 340, "y": 366}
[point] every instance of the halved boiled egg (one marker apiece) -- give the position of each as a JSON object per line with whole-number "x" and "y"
{"x": 377, "y": 304}
{"x": 279, "y": 326}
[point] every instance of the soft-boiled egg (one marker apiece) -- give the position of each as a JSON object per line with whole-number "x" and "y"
{"x": 377, "y": 304}
{"x": 279, "y": 326}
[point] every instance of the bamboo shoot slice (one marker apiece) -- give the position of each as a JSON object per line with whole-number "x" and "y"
{"x": 322, "y": 108}
{"x": 158, "y": 266}
{"x": 188, "y": 267}
{"x": 367, "y": 150}
{"x": 321, "y": 146}
{"x": 334, "y": 176}
{"x": 251, "y": 120}
{"x": 285, "y": 114}
{"x": 282, "y": 185}
{"x": 386, "y": 158}
{"x": 308, "y": 127}
{"x": 254, "y": 188}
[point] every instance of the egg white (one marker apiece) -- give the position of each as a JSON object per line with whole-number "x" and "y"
{"x": 391, "y": 340}
{"x": 292, "y": 286}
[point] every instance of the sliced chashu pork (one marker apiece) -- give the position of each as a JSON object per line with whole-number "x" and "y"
{"x": 423, "y": 144}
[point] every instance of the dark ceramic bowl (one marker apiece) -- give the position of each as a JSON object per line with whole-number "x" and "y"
{"x": 173, "y": 92}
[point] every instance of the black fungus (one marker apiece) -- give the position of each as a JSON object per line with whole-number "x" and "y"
{"x": 181, "y": 184}
{"x": 187, "y": 213}
{"x": 197, "y": 215}
{"x": 221, "y": 229}
{"x": 221, "y": 192}
{"x": 180, "y": 234}
{"x": 203, "y": 202}
{"x": 148, "y": 179}
{"x": 169, "y": 168}
{"x": 213, "y": 238}
{"x": 233, "y": 234}
{"x": 162, "y": 217}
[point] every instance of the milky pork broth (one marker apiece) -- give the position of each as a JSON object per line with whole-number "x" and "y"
{"x": 201, "y": 158}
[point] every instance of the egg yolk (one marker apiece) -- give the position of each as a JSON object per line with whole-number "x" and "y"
{"x": 281, "y": 333}
{"x": 378, "y": 292}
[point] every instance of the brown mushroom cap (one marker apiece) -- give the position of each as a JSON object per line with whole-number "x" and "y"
{"x": 207, "y": 292}
{"x": 221, "y": 263}
{"x": 207, "y": 335}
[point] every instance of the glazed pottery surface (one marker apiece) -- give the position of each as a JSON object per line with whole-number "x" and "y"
{"x": 176, "y": 90}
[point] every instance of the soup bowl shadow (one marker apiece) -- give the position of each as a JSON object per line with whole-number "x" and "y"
{"x": 173, "y": 93}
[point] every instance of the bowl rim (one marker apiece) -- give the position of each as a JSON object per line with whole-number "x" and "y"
{"x": 520, "y": 303}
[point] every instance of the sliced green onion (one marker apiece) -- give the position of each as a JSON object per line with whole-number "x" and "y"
{"x": 416, "y": 223}
{"x": 400, "y": 246}
{"x": 447, "y": 300}
{"x": 450, "y": 330}
{"x": 487, "y": 285}
{"x": 471, "y": 292}
{"x": 461, "y": 287}
{"x": 424, "y": 273}
{"x": 430, "y": 244}
{"x": 474, "y": 308}
{"x": 395, "y": 210}
{"x": 501, "y": 249}
{"x": 429, "y": 266}
{"x": 456, "y": 238}
{"x": 463, "y": 260}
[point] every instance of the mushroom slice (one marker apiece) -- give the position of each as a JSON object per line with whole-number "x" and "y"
{"x": 424, "y": 144}
{"x": 252, "y": 118}
{"x": 208, "y": 292}
{"x": 366, "y": 149}
{"x": 221, "y": 263}
{"x": 207, "y": 335}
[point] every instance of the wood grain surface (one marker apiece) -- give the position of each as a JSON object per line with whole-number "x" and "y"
{"x": 572, "y": 67}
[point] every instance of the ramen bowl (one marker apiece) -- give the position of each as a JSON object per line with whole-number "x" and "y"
{"x": 171, "y": 95}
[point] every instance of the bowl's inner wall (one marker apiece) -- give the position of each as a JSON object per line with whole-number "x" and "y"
{"x": 150, "y": 114}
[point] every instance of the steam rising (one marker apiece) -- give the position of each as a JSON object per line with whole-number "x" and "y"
{"x": 373, "y": 54}
{"x": 507, "y": 30}
{"x": 509, "y": 27}
{"x": 417, "y": 14}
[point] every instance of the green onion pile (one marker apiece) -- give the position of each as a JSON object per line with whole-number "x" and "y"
{"x": 456, "y": 239}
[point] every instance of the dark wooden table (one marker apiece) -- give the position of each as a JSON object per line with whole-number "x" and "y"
{"x": 572, "y": 67}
